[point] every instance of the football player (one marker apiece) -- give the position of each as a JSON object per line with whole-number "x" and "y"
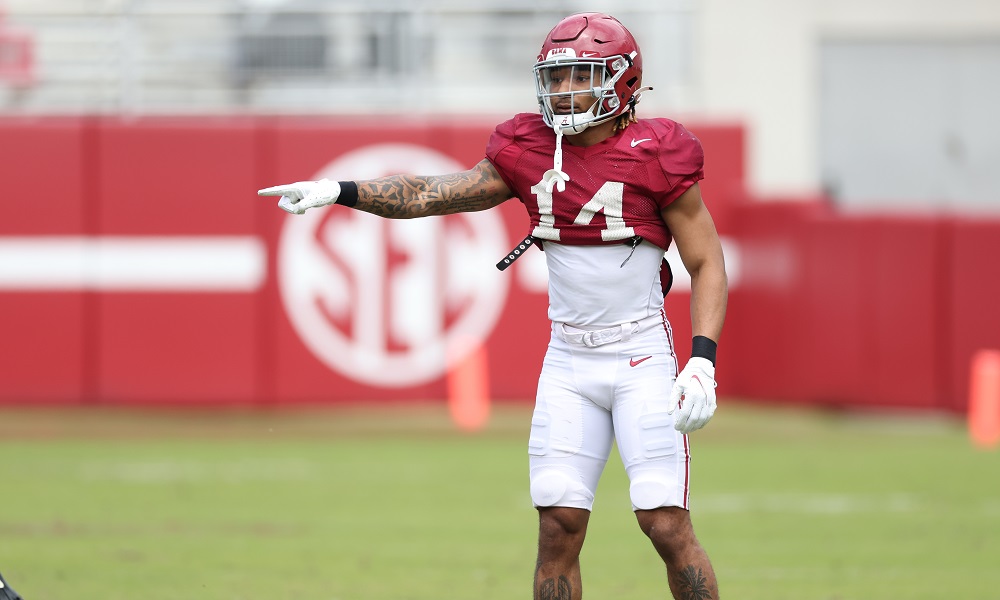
{"x": 607, "y": 194}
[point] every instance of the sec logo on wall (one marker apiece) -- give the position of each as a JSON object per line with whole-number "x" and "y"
{"x": 387, "y": 302}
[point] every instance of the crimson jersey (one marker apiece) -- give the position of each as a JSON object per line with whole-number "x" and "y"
{"x": 629, "y": 177}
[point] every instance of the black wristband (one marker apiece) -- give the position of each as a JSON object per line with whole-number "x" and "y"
{"x": 703, "y": 347}
{"x": 348, "y": 193}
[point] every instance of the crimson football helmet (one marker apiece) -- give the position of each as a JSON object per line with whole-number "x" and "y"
{"x": 590, "y": 54}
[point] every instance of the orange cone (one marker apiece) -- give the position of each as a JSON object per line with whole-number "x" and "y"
{"x": 469, "y": 390}
{"x": 984, "y": 399}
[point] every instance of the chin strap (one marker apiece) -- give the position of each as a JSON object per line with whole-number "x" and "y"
{"x": 556, "y": 177}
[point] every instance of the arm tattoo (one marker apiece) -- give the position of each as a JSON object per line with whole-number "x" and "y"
{"x": 408, "y": 196}
{"x": 555, "y": 589}
{"x": 693, "y": 585}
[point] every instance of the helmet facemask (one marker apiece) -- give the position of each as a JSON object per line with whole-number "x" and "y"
{"x": 560, "y": 83}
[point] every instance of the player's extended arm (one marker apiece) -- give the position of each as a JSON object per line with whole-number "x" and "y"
{"x": 400, "y": 196}
{"x": 701, "y": 252}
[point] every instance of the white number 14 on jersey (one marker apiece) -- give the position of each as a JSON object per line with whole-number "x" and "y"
{"x": 608, "y": 199}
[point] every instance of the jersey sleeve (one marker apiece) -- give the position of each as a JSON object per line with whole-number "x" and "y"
{"x": 681, "y": 160}
{"x": 503, "y": 152}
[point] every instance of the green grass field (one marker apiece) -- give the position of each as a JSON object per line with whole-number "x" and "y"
{"x": 395, "y": 505}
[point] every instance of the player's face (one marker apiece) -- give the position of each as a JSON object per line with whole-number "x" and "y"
{"x": 572, "y": 87}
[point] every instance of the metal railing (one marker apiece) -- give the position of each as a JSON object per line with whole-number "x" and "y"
{"x": 300, "y": 56}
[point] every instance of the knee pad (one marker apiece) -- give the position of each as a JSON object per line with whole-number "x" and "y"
{"x": 648, "y": 493}
{"x": 550, "y": 486}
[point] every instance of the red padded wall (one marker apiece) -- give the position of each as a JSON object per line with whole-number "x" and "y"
{"x": 829, "y": 308}
{"x": 840, "y": 310}
{"x": 838, "y": 278}
{"x": 44, "y": 169}
{"x": 907, "y": 300}
{"x": 762, "y": 349}
{"x": 179, "y": 178}
{"x": 972, "y": 316}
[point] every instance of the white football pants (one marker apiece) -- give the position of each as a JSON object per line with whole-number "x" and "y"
{"x": 589, "y": 395}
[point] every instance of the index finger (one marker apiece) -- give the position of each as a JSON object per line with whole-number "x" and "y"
{"x": 278, "y": 190}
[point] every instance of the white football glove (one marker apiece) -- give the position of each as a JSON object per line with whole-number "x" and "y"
{"x": 301, "y": 195}
{"x": 694, "y": 395}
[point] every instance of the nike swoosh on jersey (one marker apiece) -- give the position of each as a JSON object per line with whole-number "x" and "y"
{"x": 637, "y": 142}
{"x": 633, "y": 362}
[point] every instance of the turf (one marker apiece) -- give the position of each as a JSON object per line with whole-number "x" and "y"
{"x": 394, "y": 504}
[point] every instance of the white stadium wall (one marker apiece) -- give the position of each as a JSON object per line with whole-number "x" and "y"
{"x": 760, "y": 63}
